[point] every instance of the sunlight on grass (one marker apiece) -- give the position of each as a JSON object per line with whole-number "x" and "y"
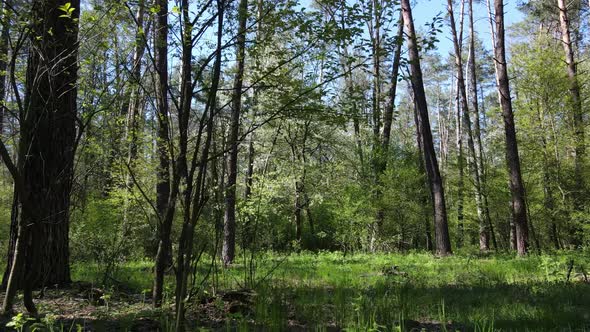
{"x": 330, "y": 290}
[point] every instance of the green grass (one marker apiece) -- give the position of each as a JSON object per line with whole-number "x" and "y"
{"x": 328, "y": 290}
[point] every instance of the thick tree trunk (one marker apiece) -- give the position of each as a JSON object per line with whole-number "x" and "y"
{"x": 229, "y": 223}
{"x": 46, "y": 152}
{"x": 512, "y": 157}
{"x": 443, "y": 243}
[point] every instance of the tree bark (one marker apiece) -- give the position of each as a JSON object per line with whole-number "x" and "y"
{"x": 229, "y": 223}
{"x": 423, "y": 198}
{"x": 46, "y": 151}
{"x": 163, "y": 255}
{"x": 3, "y": 64}
{"x": 461, "y": 171}
{"x": 15, "y": 204}
{"x": 512, "y": 157}
{"x": 442, "y": 240}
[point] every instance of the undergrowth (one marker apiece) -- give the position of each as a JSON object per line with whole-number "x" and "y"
{"x": 372, "y": 292}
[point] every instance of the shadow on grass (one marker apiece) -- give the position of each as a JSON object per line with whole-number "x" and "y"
{"x": 533, "y": 306}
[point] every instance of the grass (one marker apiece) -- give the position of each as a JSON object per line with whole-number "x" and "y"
{"x": 327, "y": 291}
{"x": 512, "y": 294}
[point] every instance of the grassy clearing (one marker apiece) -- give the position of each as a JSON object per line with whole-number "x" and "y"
{"x": 328, "y": 291}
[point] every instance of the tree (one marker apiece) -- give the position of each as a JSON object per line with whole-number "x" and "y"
{"x": 512, "y": 157}
{"x": 164, "y": 203}
{"x": 441, "y": 228}
{"x": 43, "y": 173}
{"x": 576, "y": 105}
{"x": 484, "y": 244}
{"x": 485, "y": 223}
{"x": 3, "y": 62}
{"x": 229, "y": 225}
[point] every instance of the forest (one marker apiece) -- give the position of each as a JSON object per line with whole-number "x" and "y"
{"x": 294, "y": 165}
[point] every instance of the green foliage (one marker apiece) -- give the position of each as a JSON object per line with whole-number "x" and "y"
{"x": 67, "y": 9}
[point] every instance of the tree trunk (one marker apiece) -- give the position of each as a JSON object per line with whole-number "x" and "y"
{"x": 424, "y": 198}
{"x": 250, "y": 169}
{"x": 229, "y": 223}
{"x": 461, "y": 169}
{"x": 297, "y": 214}
{"x": 484, "y": 238}
{"x": 164, "y": 254}
{"x": 485, "y": 231}
{"x": 46, "y": 151}
{"x": 577, "y": 113}
{"x": 512, "y": 157}
{"x": 388, "y": 114}
{"x": 195, "y": 196}
{"x": 14, "y": 211}
{"x": 14, "y": 217}
{"x": 549, "y": 200}
{"x": 134, "y": 112}
{"x": 443, "y": 243}
{"x": 3, "y": 63}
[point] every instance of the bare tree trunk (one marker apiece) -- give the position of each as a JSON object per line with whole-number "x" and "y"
{"x": 229, "y": 225}
{"x": 443, "y": 243}
{"x": 577, "y": 112}
{"x": 512, "y": 157}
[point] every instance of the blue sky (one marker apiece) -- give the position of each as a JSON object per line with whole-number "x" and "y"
{"x": 425, "y": 10}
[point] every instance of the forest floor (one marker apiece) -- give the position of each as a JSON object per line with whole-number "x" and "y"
{"x": 333, "y": 292}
